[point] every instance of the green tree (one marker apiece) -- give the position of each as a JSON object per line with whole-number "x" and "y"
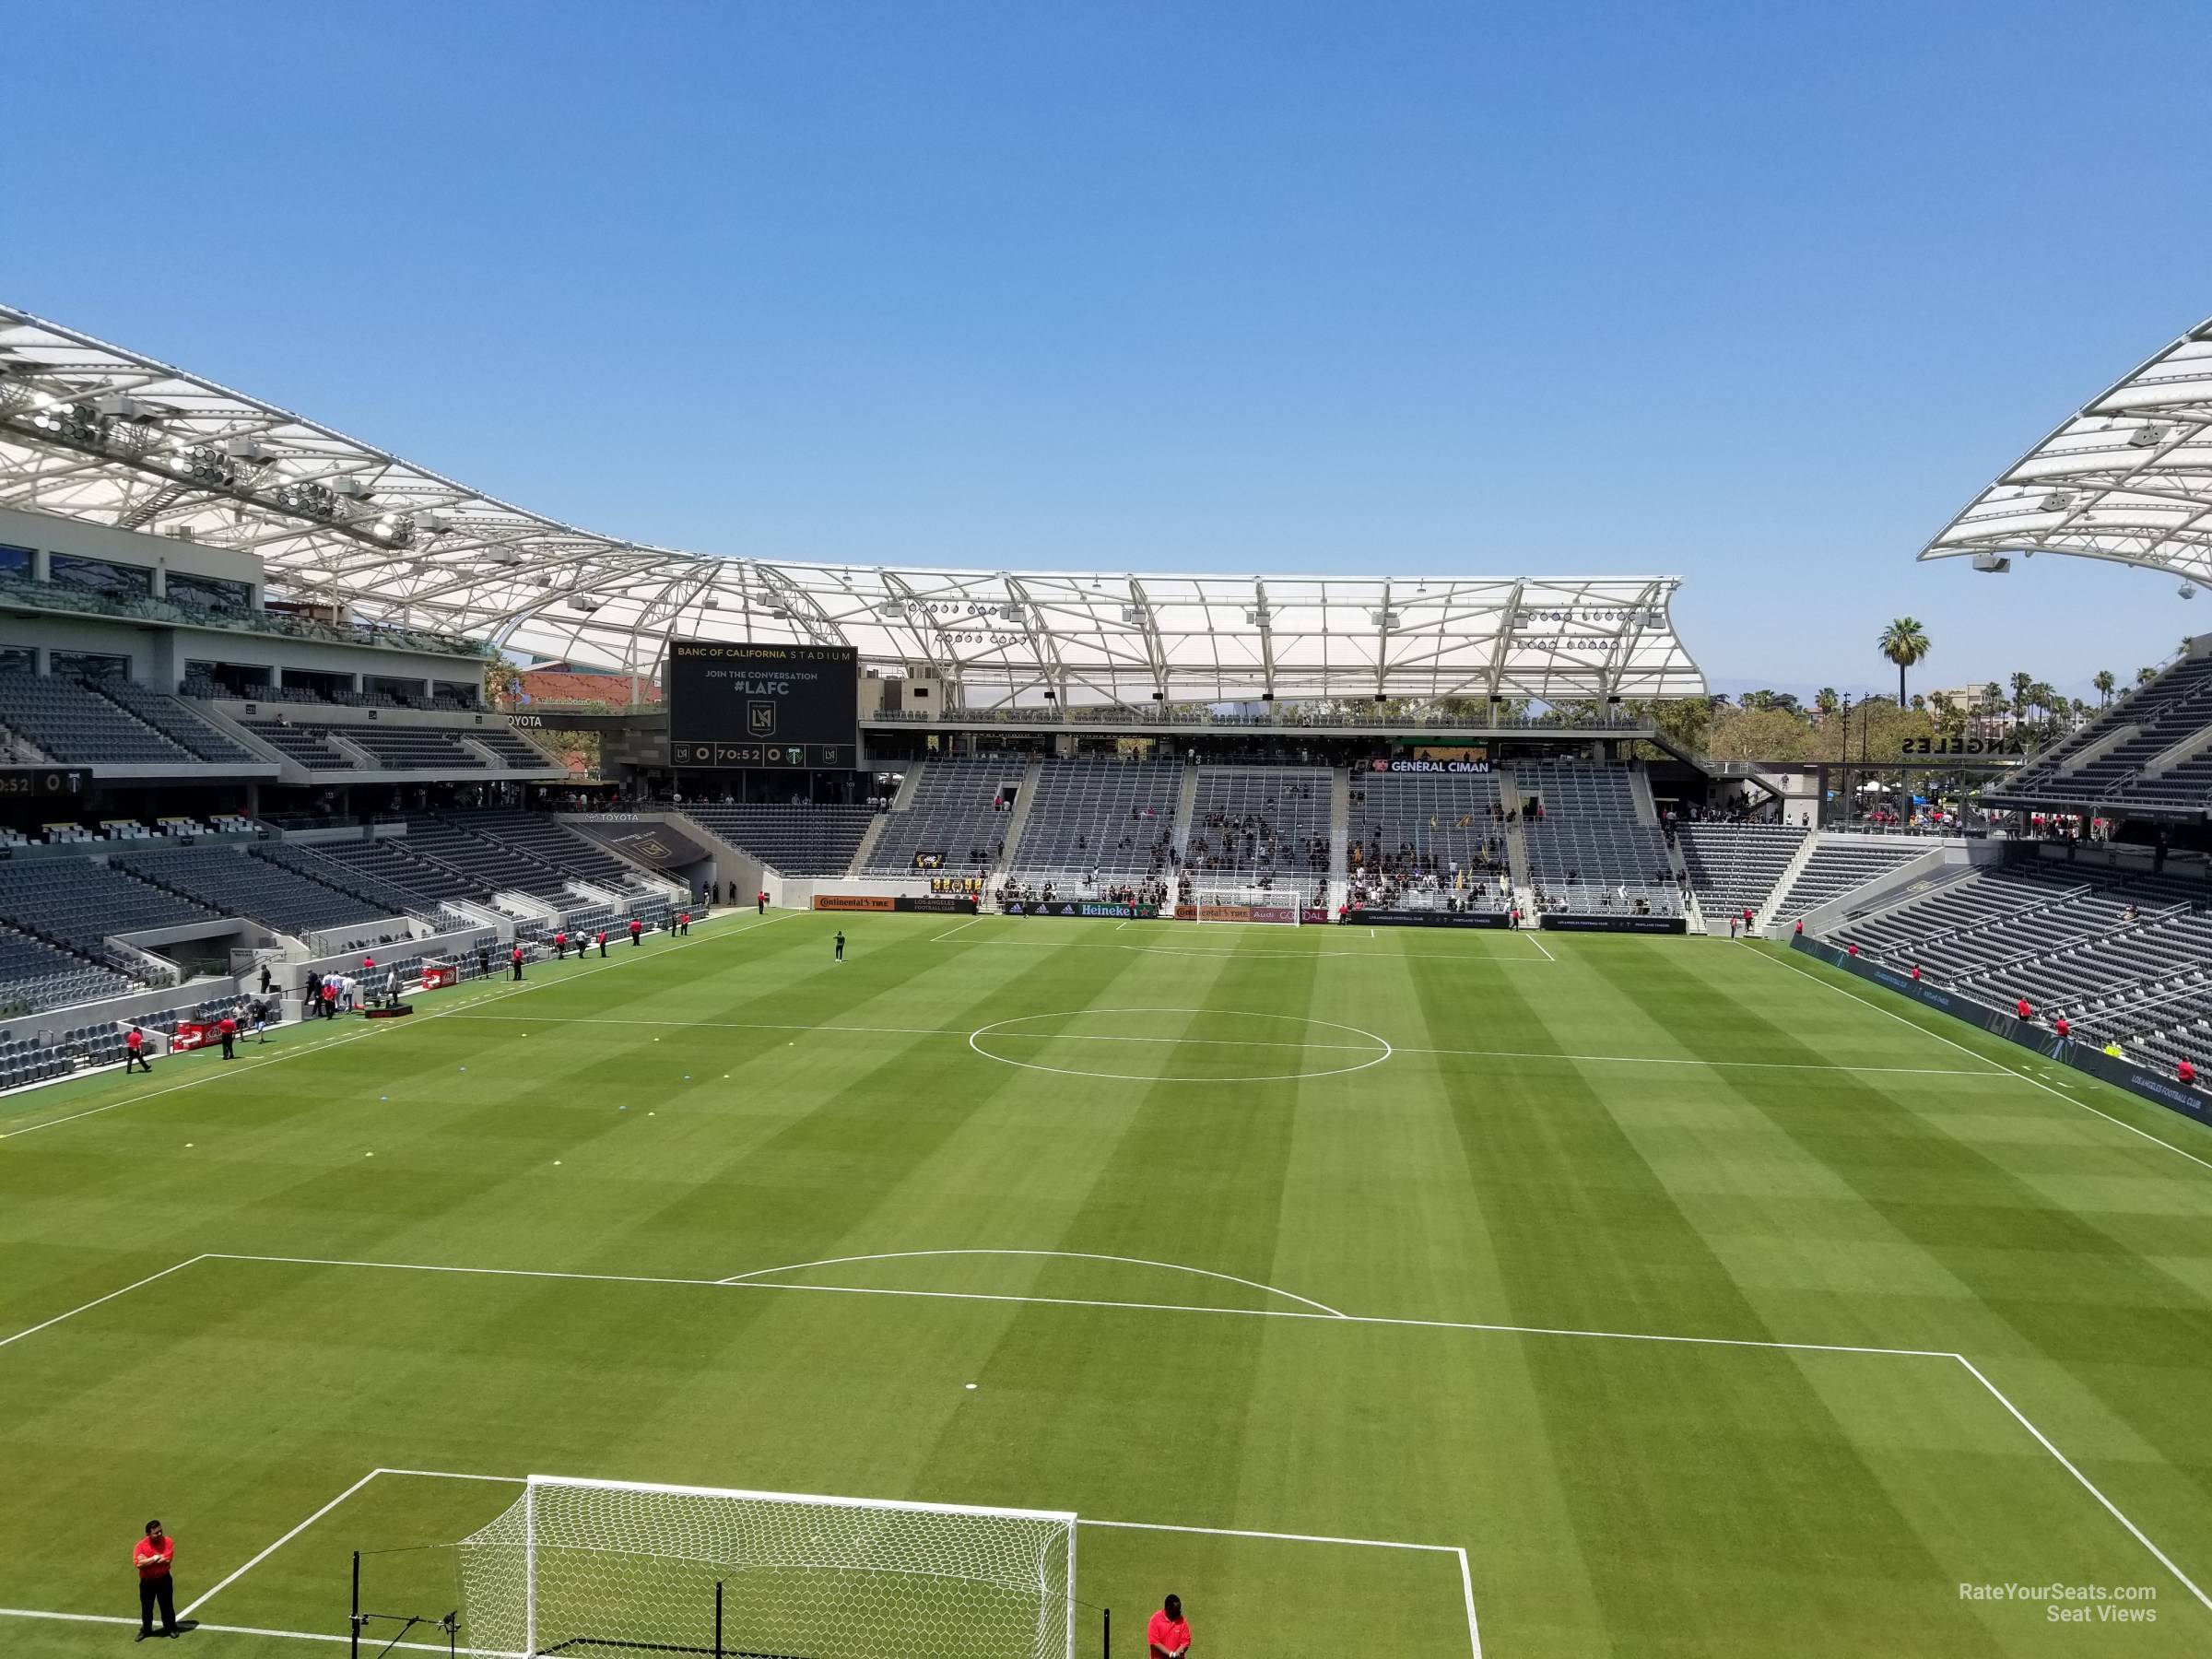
{"x": 2145, "y": 675}
{"x": 1827, "y": 702}
{"x": 502, "y": 681}
{"x": 2105, "y": 685}
{"x": 1904, "y": 642}
{"x": 2021, "y": 685}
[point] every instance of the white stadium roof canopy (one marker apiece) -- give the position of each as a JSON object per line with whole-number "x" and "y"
{"x": 2129, "y": 478}
{"x": 90, "y": 431}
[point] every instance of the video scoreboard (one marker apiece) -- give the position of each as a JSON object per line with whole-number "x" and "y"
{"x": 743, "y": 705}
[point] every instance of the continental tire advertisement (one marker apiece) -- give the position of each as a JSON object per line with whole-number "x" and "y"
{"x": 854, "y": 901}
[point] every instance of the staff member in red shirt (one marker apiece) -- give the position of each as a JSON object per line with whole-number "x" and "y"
{"x": 762, "y": 900}
{"x": 153, "y": 1556}
{"x": 134, "y": 1052}
{"x": 560, "y": 946}
{"x": 515, "y": 961}
{"x": 637, "y": 931}
{"x": 1169, "y": 1634}
{"x": 602, "y": 943}
{"x": 226, "y": 1029}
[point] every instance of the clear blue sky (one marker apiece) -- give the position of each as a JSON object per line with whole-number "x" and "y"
{"x": 1758, "y": 295}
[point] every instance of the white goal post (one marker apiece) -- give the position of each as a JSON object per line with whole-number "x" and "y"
{"x": 599, "y": 1568}
{"x": 1278, "y": 906}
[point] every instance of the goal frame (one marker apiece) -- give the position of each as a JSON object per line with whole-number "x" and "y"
{"x": 1284, "y": 910}
{"x": 534, "y": 1484}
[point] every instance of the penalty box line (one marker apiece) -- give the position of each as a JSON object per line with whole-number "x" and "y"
{"x": 2042, "y": 1440}
{"x": 1456, "y": 1552}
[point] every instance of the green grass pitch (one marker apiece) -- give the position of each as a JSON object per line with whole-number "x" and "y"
{"x": 1400, "y": 1237}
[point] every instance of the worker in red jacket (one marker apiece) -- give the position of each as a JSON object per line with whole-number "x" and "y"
{"x": 762, "y": 901}
{"x": 2185, "y": 1073}
{"x": 637, "y": 931}
{"x": 2024, "y": 1009}
{"x": 134, "y": 1052}
{"x": 602, "y": 943}
{"x": 515, "y": 961}
{"x": 560, "y": 946}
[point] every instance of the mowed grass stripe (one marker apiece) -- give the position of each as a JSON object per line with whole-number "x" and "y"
{"x": 1949, "y": 1199}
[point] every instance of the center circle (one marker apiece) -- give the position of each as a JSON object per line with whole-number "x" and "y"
{"x": 1180, "y": 1045}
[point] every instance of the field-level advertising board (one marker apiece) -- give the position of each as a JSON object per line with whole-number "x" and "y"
{"x": 737, "y": 704}
{"x": 590, "y": 1567}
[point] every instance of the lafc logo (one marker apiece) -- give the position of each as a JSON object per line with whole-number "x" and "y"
{"x": 760, "y": 719}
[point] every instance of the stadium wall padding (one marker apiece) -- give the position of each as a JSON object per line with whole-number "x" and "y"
{"x": 2166, "y": 1092}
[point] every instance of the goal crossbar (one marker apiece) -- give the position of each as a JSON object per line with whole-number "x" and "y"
{"x": 907, "y": 1505}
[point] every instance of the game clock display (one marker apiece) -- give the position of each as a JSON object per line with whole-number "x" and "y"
{"x": 826, "y": 755}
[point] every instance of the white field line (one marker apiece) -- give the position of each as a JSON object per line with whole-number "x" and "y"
{"x": 2112, "y": 1509}
{"x": 1077, "y": 1301}
{"x": 1531, "y": 934}
{"x": 745, "y": 1025}
{"x": 1466, "y": 1588}
{"x": 1040, "y": 936}
{"x": 1337, "y": 1319}
{"x": 292, "y": 1050}
{"x": 1466, "y": 1578}
{"x": 110, "y": 1619}
{"x": 110, "y": 1296}
{"x": 237, "y": 1573}
{"x": 1078, "y": 1255}
{"x": 2032, "y": 1082}
{"x": 950, "y": 931}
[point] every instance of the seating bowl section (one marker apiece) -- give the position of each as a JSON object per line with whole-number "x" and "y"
{"x": 953, "y": 817}
{"x": 2126, "y": 958}
{"x": 793, "y": 840}
{"x": 1114, "y": 817}
{"x": 1588, "y": 834}
{"x": 77, "y": 903}
{"x": 2173, "y": 711}
{"x": 1838, "y": 867}
{"x": 1408, "y": 830}
{"x": 1252, "y": 823}
{"x": 1734, "y": 867}
{"x": 81, "y": 727}
{"x": 237, "y": 884}
{"x": 34, "y": 974}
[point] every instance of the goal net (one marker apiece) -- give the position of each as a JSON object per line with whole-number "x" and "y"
{"x": 599, "y": 1568}
{"x": 1279, "y": 905}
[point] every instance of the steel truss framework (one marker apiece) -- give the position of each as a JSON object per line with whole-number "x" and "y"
{"x": 2129, "y": 478}
{"x": 91, "y": 431}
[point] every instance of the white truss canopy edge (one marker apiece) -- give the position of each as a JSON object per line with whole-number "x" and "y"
{"x": 2128, "y": 478}
{"x": 94, "y": 433}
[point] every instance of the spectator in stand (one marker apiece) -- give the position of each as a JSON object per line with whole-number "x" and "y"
{"x": 2184, "y": 1073}
{"x": 1916, "y": 973}
{"x": 2024, "y": 1009}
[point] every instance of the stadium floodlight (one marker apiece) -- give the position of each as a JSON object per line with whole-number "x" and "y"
{"x": 610, "y": 1567}
{"x": 2058, "y": 500}
{"x": 1385, "y": 620}
{"x": 1259, "y": 616}
{"x": 2146, "y": 436}
{"x": 1992, "y": 564}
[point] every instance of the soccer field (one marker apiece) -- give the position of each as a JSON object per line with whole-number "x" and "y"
{"x": 1399, "y": 1292}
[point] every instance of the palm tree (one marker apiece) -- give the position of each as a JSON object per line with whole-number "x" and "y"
{"x": 2021, "y": 685}
{"x": 1904, "y": 642}
{"x": 2105, "y": 685}
{"x": 1825, "y": 699}
{"x": 2145, "y": 675}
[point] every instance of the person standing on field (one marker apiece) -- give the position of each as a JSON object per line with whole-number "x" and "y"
{"x": 762, "y": 900}
{"x": 515, "y": 961}
{"x": 226, "y": 1029}
{"x": 1169, "y": 1634}
{"x": 134, "y": 1052}
{"x": 154, "y": 1556}
{"x": 637, "y": 931}
{"x": 840, "y": 945}
{"x": 602, "y": 943}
